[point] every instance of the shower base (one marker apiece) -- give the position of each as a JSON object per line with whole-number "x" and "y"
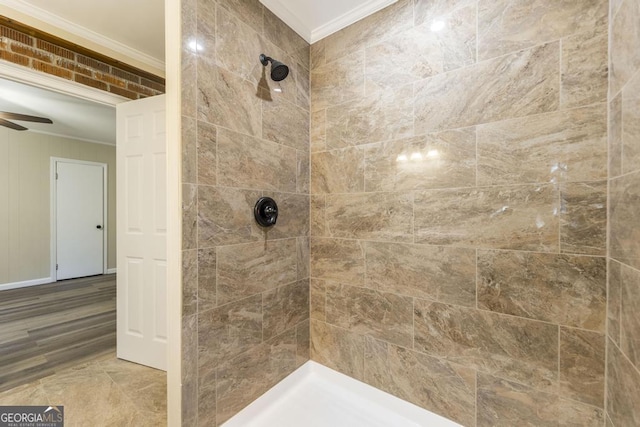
{"x": 316, "y": 396}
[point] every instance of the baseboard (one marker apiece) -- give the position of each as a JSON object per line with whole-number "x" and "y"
{"x": 24, "y": 284}
{"x": 111, "y": 271}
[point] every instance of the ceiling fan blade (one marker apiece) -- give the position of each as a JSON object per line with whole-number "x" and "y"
{"x": 10, "y": 125}
{"x": 24, "y": 117}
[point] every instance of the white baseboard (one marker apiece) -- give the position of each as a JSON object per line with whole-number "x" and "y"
{"x": 111, "y": 271}
{"x": 24, "y": 284}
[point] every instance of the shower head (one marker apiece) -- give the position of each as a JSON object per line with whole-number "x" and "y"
{"x": 279, "y": 71}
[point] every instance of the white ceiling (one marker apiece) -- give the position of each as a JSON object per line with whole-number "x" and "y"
{"x": 72, "y": 117}
{"x": 314, "y": 19}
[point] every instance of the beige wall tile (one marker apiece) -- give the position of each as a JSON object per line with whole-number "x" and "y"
{"x": 189, "y": 374}
{"x": 303, "y": 179}
{"x": 631, "y": 125}
{"x": 189, "y": 283}
{"x": 518, "y": 349}
{"x": 284, "y": 307}
{"x": 304, "y": 254}
{"x": 374, "y": 216}
{"x": 504, "y": 403}
{"x": 370, "y": 30}
{"x": 431, "y": 383}
{"x": 207, "y": 160}
{"x": 293, "y": 216}
{"x": 364, "y": 311}
{"x": 436, "y": 273}
{"x": 615, "y": 136}
{"x": 206, "y": 276}
{"x": 250, "y": 11}
{"x": 623, "y": 389}
{"x": 227, "y": 100}
{"x": 281, "y": 35}
{"x": 318, "y": 131}
{"x": 379, "y": 117}
{"x": 251, "y": 268}
{"x": 506, "y": 27}
{"x": 228, "y": 330}
{"x": 317, "y": 54}
{"x": 614, "y": 301}
{"x": 225, "y": 216}
{"x": 562, "y": 289}
{"x": 583, "y": 218}
{"x": 338, "y": 260}
{"x": 318, "y": 299}
{"x": 582, "y": 363}
{"x": 286, "y": 124}
{"x": 248, "y": 162}
{"x": 337, "y": 171}
{"x": 624, "y": 208}
{"x": 625, "y": 45}
{"x": 585, "y": 68}
{"x": 244, "y": 378}
{"x": 337, "y": 349}
{"x": 514, "y": 217}
{"x": 189, "y": 151}
{"x": 426, "y": 11}
{"x": 515, "y": 85}
{"x": 339, "y": 81}
{"x": 189, "y": 216}
{"x": 318, "y": 228}
{"x": 553, "y": 147}
{"x": 630, "y": 315}
{"x": 420, "y": 52}
{"x": 439, "y": 160}
{"x": 303, "y": 342}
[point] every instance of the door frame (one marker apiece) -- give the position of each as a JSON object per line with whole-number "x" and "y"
{"x": 53, "y": 204}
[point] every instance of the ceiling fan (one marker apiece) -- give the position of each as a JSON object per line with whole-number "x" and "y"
{"x": 5, "y": 117}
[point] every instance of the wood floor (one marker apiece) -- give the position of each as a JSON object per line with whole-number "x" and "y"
{"x": 47, "y": 328}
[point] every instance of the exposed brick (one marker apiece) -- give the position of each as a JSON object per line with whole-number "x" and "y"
{"x": 31, "y": 52}
{"x": 16, "y": 35}
{"x": 15, "y": 58}
{"x": 123, "y": 92}
{"x": 153, "y": 85}
{"x": 90, "y": 82}
{"x": 72, "y": 66}
{"x": 125, "y": 75}
{"x": 52, "y": 69}
{"x": 140, "y": 89}
{"x": 90, "y": 62}
{"x": 112, "y": 80}
{"x": 56, "y": 50}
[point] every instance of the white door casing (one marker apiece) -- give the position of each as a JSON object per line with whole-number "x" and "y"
{"x": 142, "y": 232}
{"x": 79, "y": 210}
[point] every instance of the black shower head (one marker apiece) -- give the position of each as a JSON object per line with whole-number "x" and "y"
{"x": 279, "y": 71}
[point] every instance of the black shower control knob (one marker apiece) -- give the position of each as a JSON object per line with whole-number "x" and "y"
{"x": 266, "y": 212}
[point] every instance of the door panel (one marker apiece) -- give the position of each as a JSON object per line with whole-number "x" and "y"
{"x": 142, "y": 229}
{"x": 80, "y": 222}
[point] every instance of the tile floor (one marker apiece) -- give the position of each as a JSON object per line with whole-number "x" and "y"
{"x": 105, "y": 391}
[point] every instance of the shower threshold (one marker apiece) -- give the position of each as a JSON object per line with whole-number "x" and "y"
{"x": 316, "y": 396}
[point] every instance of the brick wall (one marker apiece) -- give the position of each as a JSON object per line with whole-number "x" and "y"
{"x": 42, "y": 52}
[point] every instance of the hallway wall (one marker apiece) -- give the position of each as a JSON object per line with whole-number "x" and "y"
{"x": 25, "y": 221}
{"x": 458, "y": 207}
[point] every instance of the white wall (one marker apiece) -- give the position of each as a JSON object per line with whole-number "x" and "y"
{"x": 24, "y": 199}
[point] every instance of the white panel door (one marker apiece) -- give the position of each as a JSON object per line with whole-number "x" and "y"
{"x": 142, "y": 231}
{"x": 80, "y": 222}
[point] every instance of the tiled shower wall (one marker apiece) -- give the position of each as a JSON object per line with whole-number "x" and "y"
{"x": 246, "y": 291}
{"x": 623, "y": 344}
{"x": 459, "y": 207}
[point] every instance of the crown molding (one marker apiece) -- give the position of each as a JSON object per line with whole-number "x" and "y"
{"x": 84, "y": 33}
{"x": 290, "y": 18}
{"x": 349, "y": 18}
